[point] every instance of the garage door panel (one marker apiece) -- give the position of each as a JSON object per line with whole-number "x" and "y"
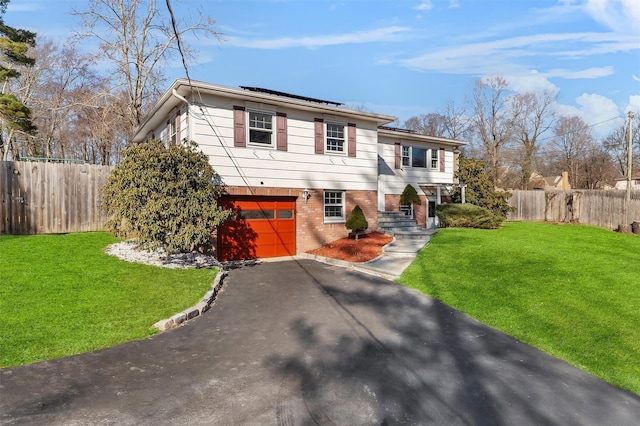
{"x": 264, "y": 227}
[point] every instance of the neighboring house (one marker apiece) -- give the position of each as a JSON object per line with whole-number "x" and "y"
{"x": 621, "y": 183}
{"x": 550, "y": 183}
{"x": 295, "y": 167}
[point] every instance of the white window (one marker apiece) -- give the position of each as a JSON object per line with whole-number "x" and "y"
{"x": 435, "y": 158}
{"x": 173, "y": 132}
{"x": 406, "y": 156}
{"x": 260, "y": 128}
{"x": 335, "y": 138}
{"x": 415, "y": 156}
{"x": 334, "y": 206}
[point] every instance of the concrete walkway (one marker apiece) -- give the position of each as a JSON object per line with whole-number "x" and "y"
{"x": 300, "y": 343}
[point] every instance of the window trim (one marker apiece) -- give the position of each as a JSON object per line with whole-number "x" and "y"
{"x": 345, "y": 138}
{"x": 404, "y": 157}
{"x": 272, "y": 131}
{"x": 334, "y": 219}
{"x": 436, "y": 158}
{"x": 431, "y": 155}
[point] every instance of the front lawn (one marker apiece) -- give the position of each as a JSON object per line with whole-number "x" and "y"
{"x": 61, "y": 295}
{"x": 572, "y": 291}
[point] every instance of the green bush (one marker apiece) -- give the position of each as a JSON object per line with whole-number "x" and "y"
{"x": 467, "y": 216}
{"x": 356, "y": 220}
{"x": 164, "y": 196}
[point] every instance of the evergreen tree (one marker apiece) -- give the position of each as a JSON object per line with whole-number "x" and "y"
{"x": 479, "y": 189}
{"x": 14, "y": 114}
{"x": 356, "y": 221}
{"x": 409, "y": 196}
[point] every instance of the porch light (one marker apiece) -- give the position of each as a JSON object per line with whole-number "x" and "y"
{"x": 306, "y": 194}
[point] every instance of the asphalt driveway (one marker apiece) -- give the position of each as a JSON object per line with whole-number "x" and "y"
{"x": 302, "y": 343}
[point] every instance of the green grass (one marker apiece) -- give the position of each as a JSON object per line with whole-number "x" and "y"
{"x": 61, "y": 295}
{"x": 572, "y": 291}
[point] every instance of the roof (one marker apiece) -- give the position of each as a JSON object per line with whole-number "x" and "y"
{"x": 412, "y": 136}
{"x": 182, "y": 90}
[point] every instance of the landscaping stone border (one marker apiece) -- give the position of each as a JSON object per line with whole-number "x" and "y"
{"x": 200, "y": 308}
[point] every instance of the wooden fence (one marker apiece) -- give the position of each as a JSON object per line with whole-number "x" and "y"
{"x": 44, "y": 198}
{"x": 605, "y": 209}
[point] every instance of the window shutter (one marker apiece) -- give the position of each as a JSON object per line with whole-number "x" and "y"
{"x": 281, "y": 133}
{"x": 441, "y": 159}
{"x": 398, "y": 161}
{"x": 239, "y": 132}
{"x": 319, "y": 135}
{"x": 167, "y": 132}
{"x": 351, "y": 137}
{"x": 178, "y": 139}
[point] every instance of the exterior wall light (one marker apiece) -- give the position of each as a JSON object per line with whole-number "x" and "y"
{"x": 306, "y": 194}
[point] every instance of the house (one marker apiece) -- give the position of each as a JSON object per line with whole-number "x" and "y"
{"x": 294, "y": 167}
{"x": 550, "y": 183}
{"x": 621, "y": 183}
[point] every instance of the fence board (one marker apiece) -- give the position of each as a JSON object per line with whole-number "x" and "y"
{"x": 50, "y": 197}
{"x": 605, "y": 209}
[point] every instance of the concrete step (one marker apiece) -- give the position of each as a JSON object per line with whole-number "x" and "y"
{"x": 394, "y": 229}
{"x": 385, "y": 220}
{"x": 405, "y": 248}
{"x": 412, "y": 235}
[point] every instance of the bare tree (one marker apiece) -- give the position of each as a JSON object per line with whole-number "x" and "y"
{"x": 597, "y": 169}
{"x": 616, "y": 144}
{"x": 450, "y": 123}
{"x": 532, "y": 117}
{"x": 492, "y": 120}
{"x": 571, "y": 145}
{"x": 54, "y": 88}
{"x": 456, "y": 121}
{"x": 432, "y": 124}
{"x": 137, "y": 39}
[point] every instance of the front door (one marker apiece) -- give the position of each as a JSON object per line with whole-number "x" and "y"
{"x": 432, "y": 220}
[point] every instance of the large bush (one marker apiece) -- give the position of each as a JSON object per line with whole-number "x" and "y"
{"x": 467, "y": 216}
{"x": 479, "y": 189}
{"x": 164, "y": 196}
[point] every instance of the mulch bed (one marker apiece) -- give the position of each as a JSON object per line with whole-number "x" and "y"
{"x": 366, "y": 248}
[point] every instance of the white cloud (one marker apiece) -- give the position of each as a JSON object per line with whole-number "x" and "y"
{"x": 454, "y": 4}
{"x": 595, "y": 110}
{"x": 425, "y": 6}
{"x": 635, "y": 78}
{"x": 622, "y": 16}
{"x": 357, "y": 37}
{"x": 595, "y": 72}
{"x": 495, "y": 57}
{"x": 634, "y": 104}
{"x": 532, "y": 81}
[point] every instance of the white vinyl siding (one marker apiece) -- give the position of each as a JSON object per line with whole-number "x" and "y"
{"x": 299, "y": 165}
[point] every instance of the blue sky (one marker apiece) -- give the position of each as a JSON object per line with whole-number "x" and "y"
{"x": 407, "y": 57}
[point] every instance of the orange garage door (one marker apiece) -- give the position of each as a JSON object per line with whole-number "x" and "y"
{"x": 262, "y": 227}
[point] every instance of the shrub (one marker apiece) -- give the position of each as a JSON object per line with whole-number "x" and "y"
{"x": 356, "y": 221}
{"x": 164, "y": 196}
{"x": 409, "y": 196}
{"x": 467, "y": 216}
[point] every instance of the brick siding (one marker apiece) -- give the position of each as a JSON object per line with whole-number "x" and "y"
{"x": 311, "y": 230}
